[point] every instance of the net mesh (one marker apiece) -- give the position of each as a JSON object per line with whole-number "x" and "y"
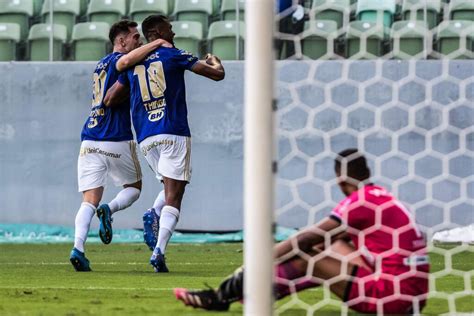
{"x": 395, "y": 80}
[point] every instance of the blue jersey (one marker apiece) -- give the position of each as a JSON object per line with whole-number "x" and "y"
{"x": 157, "y": 93}
{"x": 103, "y": 123}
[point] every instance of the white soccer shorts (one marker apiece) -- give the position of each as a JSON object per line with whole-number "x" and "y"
{"x": 98, "y": 161}
{"x": 168, "y": 156}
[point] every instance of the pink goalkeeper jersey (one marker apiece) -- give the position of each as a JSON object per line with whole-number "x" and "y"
{"x": 381, "y": 228}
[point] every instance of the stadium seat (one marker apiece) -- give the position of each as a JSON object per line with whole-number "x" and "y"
{"x": 368, "y": 34}
{"x": 65, "y": 13}
{"x": 39, "y": 41}
{"x": 140, "y": 9}
{"x": 376, "y": 10}
{"x": 194, "y": 10}
{"x": 453, "y": 36}
{"x": 223, "y": 39}
{"x": 9, "y": 38}
{"x": 333, "y": 10}
{"x": 229, "y": 10}
{"x": 188, "y": 36}
{"x": 19, "y": 12}
{"x": 461, "y": 10}
{"x": 109, "y": 11}
{"x": 318, "y": 39}
{"x": 415, "y": 10}
{"x": 90, "y": 40}
{"x": 410, "y": 39}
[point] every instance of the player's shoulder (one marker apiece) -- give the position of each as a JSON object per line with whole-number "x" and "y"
{"x": 107, "y": 60}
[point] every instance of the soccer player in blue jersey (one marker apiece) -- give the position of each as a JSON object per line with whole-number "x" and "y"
{"x": 159, "y": 115}
{"x": 107, "y": 148}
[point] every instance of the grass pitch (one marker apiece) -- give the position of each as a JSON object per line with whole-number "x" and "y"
{"x": 39, "y": 280}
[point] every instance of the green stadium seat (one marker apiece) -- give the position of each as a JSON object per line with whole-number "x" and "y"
{"x": 90, "y": 40}
{"x": 188, "y": 36}
{"x": 223, "y": 39}
{"x": 372, "y": 35}
{"x": 461, "y": 10}
{"x": 411, "y": 39}
{"x": 415, "y": 10}
{"x": 229, "y": 10}
{"x": 39, "y": 41}
{"x": 318, "y": 39}
{"x": 332, "y": 10}
{"x": 376, "y": 11}
{"x": 140, "y": 9}
{"x": 455, "y": 39}
{"x": 194, "y": 10}
{"x": 19, "y": 12}
{"x": 9, "y": 37}
{"x": 64, "y": 13}
{"x": 109, "y": 11}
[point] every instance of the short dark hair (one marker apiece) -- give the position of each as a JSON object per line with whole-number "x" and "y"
{"x": 120, "y": 27}
{"x": 353, "y": 164}
{"x": 151, "y": 22}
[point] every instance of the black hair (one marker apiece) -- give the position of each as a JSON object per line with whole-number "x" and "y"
{"x": 352, "y": 164}
{"x": 120, "y": 27}
{"x": 151, "y": 22}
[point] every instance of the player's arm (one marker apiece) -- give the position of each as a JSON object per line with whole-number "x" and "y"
{"x": 307, "y": 238}
{"x": 211, "y": 67}
{"x": 116, "y": 94}
{"x": 138, "y": 54}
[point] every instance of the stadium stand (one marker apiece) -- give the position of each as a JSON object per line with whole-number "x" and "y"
{"x": 411, "y": 39}
{"x": 39, "y": 41}
{"x": 109, "y": 11}
{"x": 229, "y": 10}
{"x": 455, "y": 39}
{"x": 433, "y": 23}
{"x": 9, "y": 38}
{"x": 90, "y": 41}
{"x": 65, "y": 13}
{"x": 376, "y": 10}
{"x": 194, "y": 10}
{"x": 19, "y": 12}
{"x": 188, "y": 36}
{"x": 223, "y": 39}
{"x": 422, "y": 10}
{"x": 140, "y": 9}
{"x": 461, "y": 10}
{"x": 365, "y": 40}
{"x": 333, "y": 10}
{"x": 318, "y": 39}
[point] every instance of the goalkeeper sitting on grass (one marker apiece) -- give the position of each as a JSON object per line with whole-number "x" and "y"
{"x": 369, "y": 251}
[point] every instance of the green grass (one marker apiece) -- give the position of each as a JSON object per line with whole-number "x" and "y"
{"x": 38, "y": 280}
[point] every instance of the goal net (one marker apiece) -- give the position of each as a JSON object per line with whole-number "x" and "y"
{"x": 394, "y": 79}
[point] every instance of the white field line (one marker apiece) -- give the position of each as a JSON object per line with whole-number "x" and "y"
{"x": 108, "y": 263}
{"x": 26, "y": 287}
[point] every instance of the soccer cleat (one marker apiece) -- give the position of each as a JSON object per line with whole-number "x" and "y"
{"x": 105, "y": 227}
{"x": 79, "y": 261}
{"x": 205, "y": 299}
{"x": 157, "y": 260}
{"x": 151, "y": 225}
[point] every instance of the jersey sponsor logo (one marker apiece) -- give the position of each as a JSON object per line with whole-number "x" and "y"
{"x": 153, "y": 56}
{"x": 87, "y": 150}
{"x": 149, "y": 147}
{"x": 156, "y": 115}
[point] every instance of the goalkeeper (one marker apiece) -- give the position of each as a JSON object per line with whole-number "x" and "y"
{"x": 369, "y": 250}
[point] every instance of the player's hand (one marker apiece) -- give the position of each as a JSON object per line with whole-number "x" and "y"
{"x": 212, "y": 60}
